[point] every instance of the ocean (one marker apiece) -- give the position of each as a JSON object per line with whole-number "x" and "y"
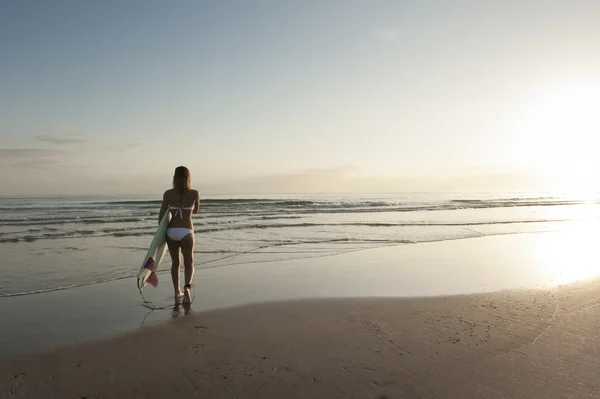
{"x": 58, "y": 243}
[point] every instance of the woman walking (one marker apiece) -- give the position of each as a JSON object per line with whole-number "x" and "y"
{"x": 182, "y": 202}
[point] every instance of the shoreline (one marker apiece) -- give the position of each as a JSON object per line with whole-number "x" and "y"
{"x": 470, "y": 266}
{"x": 517, "y": 343}
{"x": 165, "y": 315}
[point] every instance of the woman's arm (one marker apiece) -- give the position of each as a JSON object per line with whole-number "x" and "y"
{"x": 163, "y": 207}
{"x": 196, "y": 203}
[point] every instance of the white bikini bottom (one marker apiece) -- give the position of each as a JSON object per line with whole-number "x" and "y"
{"x": 177, "y": 233}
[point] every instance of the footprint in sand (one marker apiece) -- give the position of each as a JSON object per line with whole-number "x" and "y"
{"x": 18, "y": 379}
{"x": 200, "y": 329}
{"x": 196, "y": 348}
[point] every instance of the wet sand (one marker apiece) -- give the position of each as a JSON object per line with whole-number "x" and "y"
{"x": 44, "y": 321}
{"x": 514, "y": 344}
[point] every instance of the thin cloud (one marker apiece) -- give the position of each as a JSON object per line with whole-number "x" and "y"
{"x": 41, "y": 163}
{"x": 6, "y": 153}
{"x": 327, "y": 179}
{"x": 387, "y": 34}
{"x": 126, "y": 147}
{"x": 60, "y": 139}
{"x": 335, "y": 170}
{"x": 30, "y": 158}
{"x": 132, "y": 145}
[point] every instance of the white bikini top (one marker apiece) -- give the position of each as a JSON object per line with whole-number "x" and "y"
{"x": 180, "y": 210}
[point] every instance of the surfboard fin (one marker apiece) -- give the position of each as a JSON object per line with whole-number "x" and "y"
{"x": 153, "y": 278}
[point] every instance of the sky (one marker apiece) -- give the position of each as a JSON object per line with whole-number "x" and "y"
{"x": 108, "y": 97}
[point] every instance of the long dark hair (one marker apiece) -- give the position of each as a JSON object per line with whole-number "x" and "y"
{"x": 181, "y": 181}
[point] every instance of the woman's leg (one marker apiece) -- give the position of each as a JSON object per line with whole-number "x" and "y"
{"x": 174, "y": 252}
{"x": 187, "y": 250}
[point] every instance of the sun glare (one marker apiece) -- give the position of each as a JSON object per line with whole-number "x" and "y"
{"x": 558, "y": 139}
{"x": 570, "y": 255}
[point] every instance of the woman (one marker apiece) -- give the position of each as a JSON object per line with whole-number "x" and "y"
{"x": 182, "y": 201}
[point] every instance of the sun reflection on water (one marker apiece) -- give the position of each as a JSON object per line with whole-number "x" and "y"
{"x": 572, "y": 254}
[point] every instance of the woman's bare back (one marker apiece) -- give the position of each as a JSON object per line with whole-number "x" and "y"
{"x": 181, "y": 210}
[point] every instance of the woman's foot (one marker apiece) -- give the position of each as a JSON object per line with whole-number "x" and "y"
{"x": 187, "y": 294}
{"x": 178, "y": 296}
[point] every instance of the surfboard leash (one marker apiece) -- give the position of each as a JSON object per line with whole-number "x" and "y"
{"x": 150, "y": 305}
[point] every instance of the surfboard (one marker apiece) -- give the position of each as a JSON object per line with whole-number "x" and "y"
{"x": 156, "y": 251}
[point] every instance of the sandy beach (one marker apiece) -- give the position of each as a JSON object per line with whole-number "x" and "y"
{"x": 497, "y": 317}
{"x": 526, "y": 344}
{"x": 536, "y": 341}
